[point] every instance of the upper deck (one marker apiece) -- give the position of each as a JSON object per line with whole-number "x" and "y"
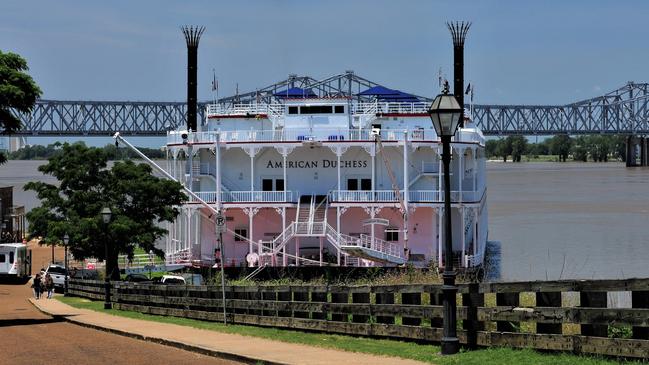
{"x": 318, "y": 120}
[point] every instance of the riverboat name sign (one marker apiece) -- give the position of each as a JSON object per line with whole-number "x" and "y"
{"x": 305, "y": 164}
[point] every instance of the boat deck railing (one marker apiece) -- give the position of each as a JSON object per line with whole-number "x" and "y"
{"x": 316, "y": 135}
{"x": 263, "y": 109}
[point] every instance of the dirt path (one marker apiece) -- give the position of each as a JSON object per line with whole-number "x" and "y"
{"x": 30, "y": 337}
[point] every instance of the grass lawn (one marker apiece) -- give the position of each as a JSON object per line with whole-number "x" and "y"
{"x": 409, "y": 350}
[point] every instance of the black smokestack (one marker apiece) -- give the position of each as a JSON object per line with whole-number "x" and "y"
{"x": 192, "y": 37}
{"x": 459, "y": 31}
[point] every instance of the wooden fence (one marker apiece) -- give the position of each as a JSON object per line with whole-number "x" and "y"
{"x": 573, "y": 316}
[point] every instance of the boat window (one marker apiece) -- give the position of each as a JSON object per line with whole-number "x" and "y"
{"x": 352, "y": 184}
{"x": 316, "y": 109}
{"x": 3, "y": 258}
{"x": 279, "y": 185}
{"x": 292, "y": 110}
{"x": 267, "y": 184}
{"x": 391, "y": 234}
{"x": 243, "y": 232}
{"x": 366, "y": 184}
{"x": 340, "y": 109}
{"x": 11, "y": 257}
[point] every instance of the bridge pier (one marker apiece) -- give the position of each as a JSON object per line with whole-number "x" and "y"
{"x": 637, "y": 148}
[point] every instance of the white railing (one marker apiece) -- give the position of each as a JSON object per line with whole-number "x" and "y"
{"x": 252, "y": 110}
{"x": 245, "y": 196}
{"x": 362, "y": 195}
{"x": 413, "y": 196}
{"x": 378, "y": 244}
{"x": 303, "y": 134}
{"x": 390, "y": 108}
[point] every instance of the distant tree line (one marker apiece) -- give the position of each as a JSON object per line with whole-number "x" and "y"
{"x": 597, "y": 148}
{"x": 39, "y": 152}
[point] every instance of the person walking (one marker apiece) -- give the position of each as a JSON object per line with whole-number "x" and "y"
{"x": 37, "y": 286}
{"x": 49, "y": 285}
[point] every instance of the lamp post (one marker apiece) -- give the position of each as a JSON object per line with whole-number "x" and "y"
{"x": 445, "y": 112}
{"x": 66, "y": 239}
{"x": 106, "y": 214}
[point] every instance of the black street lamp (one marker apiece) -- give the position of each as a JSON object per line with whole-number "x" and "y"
{"x": 66, "y": 240}
{"x": 445, "y": 112}
{"x": 106, "y": 214}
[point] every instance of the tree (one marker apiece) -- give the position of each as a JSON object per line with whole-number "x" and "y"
{"x": 579, "y": 148}
{"x": 491, "y": 147}
{"x": 504, "y": 148}
{"x": 518, "y": 147}
{"x": 18, "y": 93}
{"x": 138, "y": 200}
{"x": 560, "y": 145}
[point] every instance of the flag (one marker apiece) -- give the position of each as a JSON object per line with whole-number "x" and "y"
{"x": 468, "y": 89}
{"x": 472, "y": 95}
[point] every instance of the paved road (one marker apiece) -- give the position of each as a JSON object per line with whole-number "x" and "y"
{"x": 29, "y": 337}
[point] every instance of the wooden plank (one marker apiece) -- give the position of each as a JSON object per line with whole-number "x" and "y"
{"x": 566, "y": 285}
{"x": 527, "y": 340}
{"x": 612, "y": 346}
{"x": 579, "y": 315}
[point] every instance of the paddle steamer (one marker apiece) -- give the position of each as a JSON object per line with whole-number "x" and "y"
{"x": 315, "y": 175}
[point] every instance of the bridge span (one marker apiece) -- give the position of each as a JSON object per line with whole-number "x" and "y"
{"x": 621, "y": 111}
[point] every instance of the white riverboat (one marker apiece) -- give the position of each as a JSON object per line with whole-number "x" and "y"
{"x": 309, "y": 177}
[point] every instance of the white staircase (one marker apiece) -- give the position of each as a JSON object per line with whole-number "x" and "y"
{"x": 311, "y": 221}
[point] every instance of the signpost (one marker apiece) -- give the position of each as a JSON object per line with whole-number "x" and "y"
{"x": 220, "y": 228}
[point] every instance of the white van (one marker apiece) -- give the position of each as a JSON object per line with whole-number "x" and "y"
{"x": 15, "y": 260}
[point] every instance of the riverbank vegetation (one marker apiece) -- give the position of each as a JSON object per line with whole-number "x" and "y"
{"x": 40, "y": 152}
{"x": 561, "y": 148}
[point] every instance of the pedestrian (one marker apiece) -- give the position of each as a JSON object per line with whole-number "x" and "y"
{"x": 49, "y": 285}
{"x": 36, "y": 284}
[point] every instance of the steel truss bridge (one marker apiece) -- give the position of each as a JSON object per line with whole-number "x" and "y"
{"x": 622, "y": 111}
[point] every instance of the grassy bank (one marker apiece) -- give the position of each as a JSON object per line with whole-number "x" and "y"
{"x": 408, "y": 350}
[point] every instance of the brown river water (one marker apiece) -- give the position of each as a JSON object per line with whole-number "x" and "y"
{"x": 554, "y": 220}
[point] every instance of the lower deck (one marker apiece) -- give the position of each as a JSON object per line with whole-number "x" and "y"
{"x": 314, "y": 233}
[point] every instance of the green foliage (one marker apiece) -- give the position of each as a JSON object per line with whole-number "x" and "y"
{"x": 37, "y": 152}
{"x": 560, "y": 145}
{"x": 138, "y": 200}
{"x": 504, "y": 148}
{"x": 18, "y": 92}
{"x": 620, "y": 331}
{"x": 598, "y": 148}
{"x": 518, "y": 147}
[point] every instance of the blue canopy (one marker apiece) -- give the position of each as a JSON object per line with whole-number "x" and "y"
{"x": 296, "y": 92}
{"x": 383, "y": 93}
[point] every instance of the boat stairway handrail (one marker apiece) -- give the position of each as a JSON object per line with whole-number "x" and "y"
{"x": 339, "y": 240}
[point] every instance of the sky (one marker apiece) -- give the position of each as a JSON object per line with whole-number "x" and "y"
{"x": 532, "y": 52}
